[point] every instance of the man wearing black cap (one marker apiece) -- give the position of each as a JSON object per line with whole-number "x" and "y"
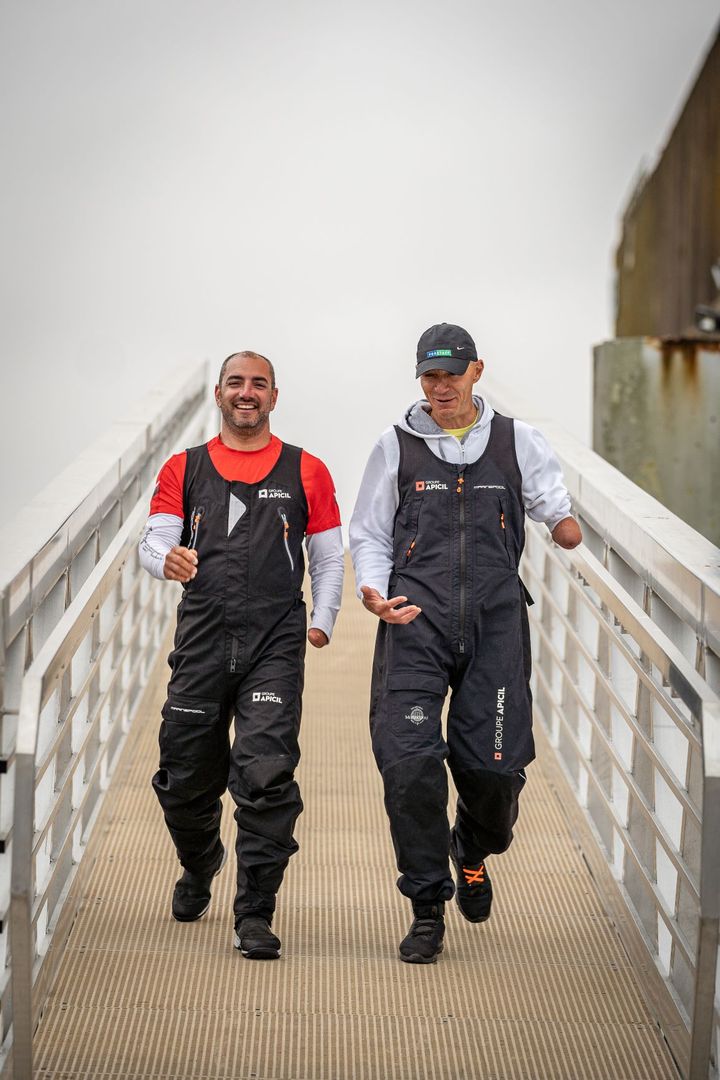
{"x": 436, "y": 537}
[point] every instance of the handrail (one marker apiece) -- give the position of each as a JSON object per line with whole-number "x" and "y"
{"x": 78, "y": 698}
{"x": 637, "y": 539}
{"x": 625, "y": 813}
{"x": 44, "y": 675}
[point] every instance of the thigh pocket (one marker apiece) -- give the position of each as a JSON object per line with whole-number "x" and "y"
{"x": 415, "y": 703}
{"x": 194, "y": 744}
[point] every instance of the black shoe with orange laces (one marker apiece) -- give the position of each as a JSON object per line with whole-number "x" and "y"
{"x": 473, "y": 888}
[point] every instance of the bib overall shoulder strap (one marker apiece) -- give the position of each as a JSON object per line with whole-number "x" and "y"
{"x": 197, "y": 466}
{"x": 501, "y": 448}
{"x": 413, "y": 456}
{"x": 288, "y": 470}
{"x": 291, "y": 455}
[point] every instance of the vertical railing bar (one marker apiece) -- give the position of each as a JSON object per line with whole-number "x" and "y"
{"x": 704, "y": 1018}
{"x": 22, "y": 891}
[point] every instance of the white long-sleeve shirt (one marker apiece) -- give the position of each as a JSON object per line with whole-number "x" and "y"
{"x": 325, "y": 564}
{"x": 545, "y": 496}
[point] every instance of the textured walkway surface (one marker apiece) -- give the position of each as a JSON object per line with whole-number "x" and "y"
{"x": 544, "y": 989}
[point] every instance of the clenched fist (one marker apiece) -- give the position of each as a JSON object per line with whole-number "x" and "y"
{"x": 180, "y": 564}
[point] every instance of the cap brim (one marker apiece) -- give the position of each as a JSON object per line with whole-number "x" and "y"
{"x": 453, "y": 364}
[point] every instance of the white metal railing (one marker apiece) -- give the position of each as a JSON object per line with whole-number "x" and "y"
{"x": 626, "y": 639}
{"x": 77, "y": 703}
{"x": 81, "y": 627}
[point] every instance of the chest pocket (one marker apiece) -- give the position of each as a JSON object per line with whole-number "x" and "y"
{"x": 285, "y": 531}
{"x": 406, "y": 531}
{"x": 494, "y": 544}
{"x": 204, "y": 532}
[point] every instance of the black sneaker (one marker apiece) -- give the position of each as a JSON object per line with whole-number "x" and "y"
{"x": 424, "y": 939}
{"x": 474, "y": 889}
{"x": 191, "y": 897}
{"x": 255, "y": 939}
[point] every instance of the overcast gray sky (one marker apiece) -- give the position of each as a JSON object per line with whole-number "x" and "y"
{"x": 320, "y": 182}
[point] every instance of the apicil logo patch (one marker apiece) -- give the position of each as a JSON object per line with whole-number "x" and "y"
{"x": 430, "y": 485}
{"x": 438, "y": 352}
{"x": 267, "y": 695}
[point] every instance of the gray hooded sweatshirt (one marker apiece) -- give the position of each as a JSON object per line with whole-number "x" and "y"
{"x": 545, "y": 496}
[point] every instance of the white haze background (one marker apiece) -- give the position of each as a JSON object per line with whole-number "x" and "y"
{"x": 317, "y": 181}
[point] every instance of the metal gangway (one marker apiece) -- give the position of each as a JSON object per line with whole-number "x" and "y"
{"x": 600, "y": 959}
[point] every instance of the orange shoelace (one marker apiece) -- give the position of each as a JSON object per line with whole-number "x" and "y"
{"x": 474, "y": 875}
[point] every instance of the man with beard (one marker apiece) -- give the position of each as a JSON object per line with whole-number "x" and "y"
{"x": 227, "y": 520}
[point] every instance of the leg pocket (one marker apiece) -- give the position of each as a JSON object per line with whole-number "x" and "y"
{"x": 194, "y": 746}
{"x": 415, "y": 702}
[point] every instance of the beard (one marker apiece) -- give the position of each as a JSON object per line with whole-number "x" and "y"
{"x": 241, "y": 422}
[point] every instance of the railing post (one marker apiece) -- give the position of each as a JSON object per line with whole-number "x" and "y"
{"x": 22, "y": 892}
{"x": 703, "y": 1019}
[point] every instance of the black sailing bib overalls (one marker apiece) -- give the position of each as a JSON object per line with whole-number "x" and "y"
{"x": 239, "y": 649}
{"x": 458, "y": 537}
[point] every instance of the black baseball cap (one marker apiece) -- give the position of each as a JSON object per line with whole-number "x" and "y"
{"x": 447, "y": 347}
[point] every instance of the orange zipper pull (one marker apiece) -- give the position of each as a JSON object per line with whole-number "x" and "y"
{"x": 409, "y": 551}
{"x": 502, "y": 520}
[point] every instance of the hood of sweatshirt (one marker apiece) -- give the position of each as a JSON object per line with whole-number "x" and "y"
{"x": 418, "y": 421}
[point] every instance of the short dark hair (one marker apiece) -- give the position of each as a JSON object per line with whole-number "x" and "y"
{"x": 251, "y": 356}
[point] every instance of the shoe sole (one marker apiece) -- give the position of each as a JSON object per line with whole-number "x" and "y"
{"x": 259, "y": 953}
{"x": 416, "y": 958}
{"x": 483, "y": 918}
{"x": 194, "y": 918}
{"x": 191, "y": 918}
{"x": 469, "y": 918}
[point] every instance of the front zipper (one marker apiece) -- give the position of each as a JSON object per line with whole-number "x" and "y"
{"x": 461, "y": 492}
{"x": 233, "y": 656}
{"x": 504, "y": 535}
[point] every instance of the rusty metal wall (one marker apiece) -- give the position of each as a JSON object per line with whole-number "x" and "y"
{"x": 671, "y": 229}
{"x": 656, "y": 417}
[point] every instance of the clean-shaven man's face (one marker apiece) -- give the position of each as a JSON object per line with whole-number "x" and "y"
{"x": 450, "y": 396}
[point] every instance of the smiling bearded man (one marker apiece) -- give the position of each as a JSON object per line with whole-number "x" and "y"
{"x": 228, "y": 520}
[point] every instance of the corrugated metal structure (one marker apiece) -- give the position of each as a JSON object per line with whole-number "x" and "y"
{"x": 671, "y": 228}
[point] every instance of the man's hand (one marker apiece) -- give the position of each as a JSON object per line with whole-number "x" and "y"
{"x": 180, "y": 564}
{"x": 567, "y": 533}
{"x": 318, "y": 638}
{"x": 388, "y": 610}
